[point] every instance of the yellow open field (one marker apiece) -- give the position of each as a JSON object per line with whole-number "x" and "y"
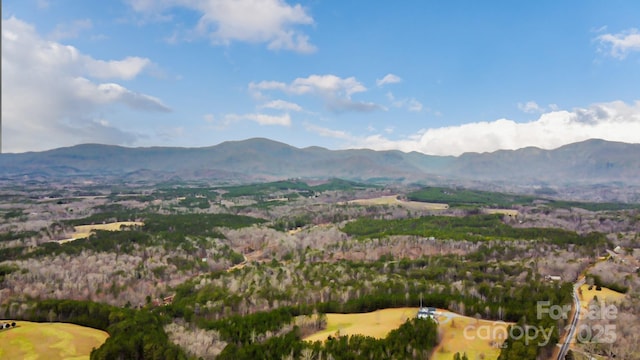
{"x": 83, "y": 231}
{"x": 376, "y": 324}
{"x": 509, "y": 212}
{"x": 393, "y": 200}
{"x": 481, "y": 337}
{"x": 50, "y": 341}
{"x": 585, "y": 295}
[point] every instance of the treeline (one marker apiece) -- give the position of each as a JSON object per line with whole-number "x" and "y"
{"x": 121, "y": 242}
{"x": 592, "y": 206}
{"x": 195, "y": 224}
{"x": 301, "y": 188}
{"x": 471, "y": 228}
{"x": 465, "y": 197}
{"x": 599, "y": 282}
{"x": 475, "y": 198}
{"x": 414, "y": 339}
{"x": 17, "y": 235}
{"x": 133, "y": 334}
{"x": 243, "y": 330}
{"x": 107, "y": 215}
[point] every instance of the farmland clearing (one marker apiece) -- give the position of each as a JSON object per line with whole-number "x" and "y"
{"x": 51, "y": 341}
{"x": 477, "y": 338}
{"x": 84, "y": 231}
{"x": 508, "y": 212}
{"x": 376, "y": 324}
{"x": 392, "y": 200}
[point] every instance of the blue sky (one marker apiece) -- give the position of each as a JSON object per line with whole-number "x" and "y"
{"x": 439, "y": 77}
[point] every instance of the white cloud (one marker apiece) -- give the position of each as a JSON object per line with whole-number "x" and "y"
{"x": 613, "y": 121}
{"x": 281, "y": 105}
{"x": 125, "y": 69}
{"x": 388, "y": 79}
{"x": 327, "y": 85}
{"x": 273, "y": 22}
{"x": 620, "y": 44}
{"x": 335, "y": 91}
{"x": 530, "y": 107}
{"x": 262, "y": 119}
{"x": 49, "y": 99}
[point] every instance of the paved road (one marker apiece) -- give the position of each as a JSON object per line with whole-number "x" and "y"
{"x": 574, "y": 322}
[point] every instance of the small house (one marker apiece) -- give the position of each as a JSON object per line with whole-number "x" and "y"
{"x": 427, "y": 313}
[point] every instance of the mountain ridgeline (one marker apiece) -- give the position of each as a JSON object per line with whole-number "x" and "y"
{"x": 588, "y": 162}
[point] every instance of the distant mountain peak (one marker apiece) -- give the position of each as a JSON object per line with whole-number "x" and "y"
{"x": 589, "y": 161}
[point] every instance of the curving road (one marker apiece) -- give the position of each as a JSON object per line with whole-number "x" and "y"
{"x": 574, "y": 321}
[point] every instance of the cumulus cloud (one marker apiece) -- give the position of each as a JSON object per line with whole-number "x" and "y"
{"x": 273, "y": 22}
{"x": 335, "y": 91}
{"x": 262, "y": 119}
{"x": 281, "y": 105}
{"x": 613, "y": 121}
{"x": 125, "y": 69}
{"x": 388, "y": 79}
{"x": 49, "y": 98}
{"x": 621, "y": 44}
{"x": 530, "y": 107}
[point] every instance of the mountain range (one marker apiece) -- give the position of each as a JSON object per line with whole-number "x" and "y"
{"x": 588, "y": 162}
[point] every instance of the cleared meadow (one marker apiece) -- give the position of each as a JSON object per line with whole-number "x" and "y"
{"x": 50, "y": 341}
{"x": 585, "y": 295}
{"x": 84, "y": 231}
{"x": 479, "y": 339}
{"x": 393, "y": 200}
{"x": 376, "y": 324}
{"x": 508, "y": 212}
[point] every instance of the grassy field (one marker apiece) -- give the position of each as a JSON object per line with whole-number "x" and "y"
{"x": 50, "y": 341}
{"x": 376, "y": 324}
{"x": 479, "y": 339}
{"x": 608, "y": 295}
{"x": 509, "y": 212}
{"x": 84, "y": 231}
{"x": 393, "y": 200}
{"x": 452, "y": 327}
